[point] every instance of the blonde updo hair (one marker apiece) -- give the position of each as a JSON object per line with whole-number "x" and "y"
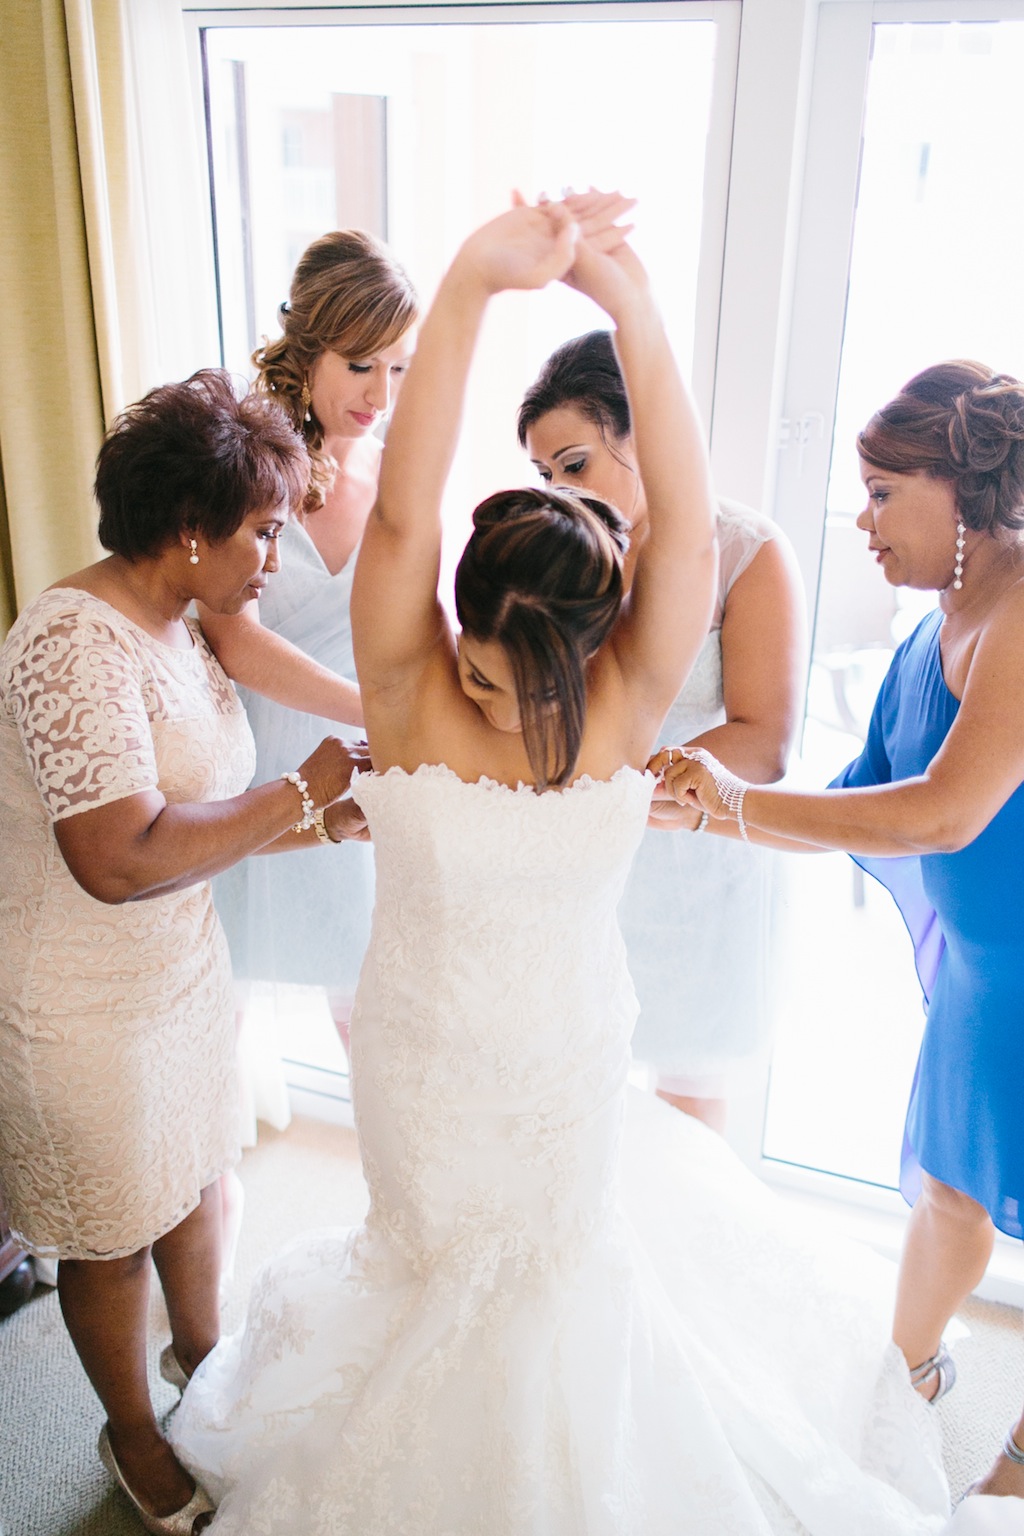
{"x": 348, "y": 295}
{"x": 961, "y": 422}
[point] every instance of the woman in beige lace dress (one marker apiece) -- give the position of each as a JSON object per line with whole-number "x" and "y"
{"x": 124, "y": 754}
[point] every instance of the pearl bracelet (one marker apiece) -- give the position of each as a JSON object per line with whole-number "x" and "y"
{"x": 308, "y": 808}
{"x": 704, "y": 819}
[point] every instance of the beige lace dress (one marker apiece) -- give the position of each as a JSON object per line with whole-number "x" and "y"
{"x": 118, "y": 1102}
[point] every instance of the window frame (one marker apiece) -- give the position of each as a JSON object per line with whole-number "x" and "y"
{"x": 427, "y": 12}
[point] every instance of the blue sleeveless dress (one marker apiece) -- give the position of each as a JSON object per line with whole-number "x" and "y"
{"x": 965, "y": 1123}
{"x": 304, "y": 916}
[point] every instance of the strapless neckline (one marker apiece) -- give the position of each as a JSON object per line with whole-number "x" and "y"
{"x": 441, "y": 771}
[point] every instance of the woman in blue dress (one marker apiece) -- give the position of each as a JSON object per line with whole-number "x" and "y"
{"x": 934, "y": 806}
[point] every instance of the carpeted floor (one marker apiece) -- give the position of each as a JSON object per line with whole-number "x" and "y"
{"x": 51, "y": 1483}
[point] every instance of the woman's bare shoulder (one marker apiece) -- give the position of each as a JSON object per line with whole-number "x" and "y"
{"x": 1004, "y": 620}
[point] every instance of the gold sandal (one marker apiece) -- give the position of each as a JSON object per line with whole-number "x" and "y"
{"x": 182, "y": 1522}
{"x": 171, "y": 1371}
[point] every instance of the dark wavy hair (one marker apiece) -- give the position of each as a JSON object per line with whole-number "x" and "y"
{"x": 195, "y": 457}
{"x": 348, "y": 295}
{"x": 542, "y": 575}
{"x": 583, "y": 373}
{"x": 962, "y": 422}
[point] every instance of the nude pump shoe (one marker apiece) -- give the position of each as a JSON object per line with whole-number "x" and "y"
{"x": 181, "y": 1522}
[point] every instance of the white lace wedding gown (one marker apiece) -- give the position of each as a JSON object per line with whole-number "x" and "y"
{"x": 567, "y": 1314}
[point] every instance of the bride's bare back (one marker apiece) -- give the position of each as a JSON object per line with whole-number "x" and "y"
{"x": 423, "y": 702}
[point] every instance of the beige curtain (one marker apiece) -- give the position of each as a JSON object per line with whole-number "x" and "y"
{"x": 102, "y": 272}
{"x": 51, "y": 411}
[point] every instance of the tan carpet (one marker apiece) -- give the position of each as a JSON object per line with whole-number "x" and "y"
{"x": 51, "y": 1483}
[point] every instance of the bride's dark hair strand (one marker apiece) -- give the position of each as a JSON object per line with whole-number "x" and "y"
{"x": 542, "y": 575}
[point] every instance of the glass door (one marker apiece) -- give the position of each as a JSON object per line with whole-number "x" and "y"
{"x": 933, "y": 273}
{"x": 418, "y": 127}
{"x": 420, "y": 130}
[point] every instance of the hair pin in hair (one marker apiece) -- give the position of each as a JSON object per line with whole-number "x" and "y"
{"x": 284, "y": 308}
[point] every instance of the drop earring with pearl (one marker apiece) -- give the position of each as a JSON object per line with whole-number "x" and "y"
{"x": 958, "y": 569}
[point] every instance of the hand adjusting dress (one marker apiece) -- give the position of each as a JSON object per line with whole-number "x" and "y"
{"x": 545, "y": 1327}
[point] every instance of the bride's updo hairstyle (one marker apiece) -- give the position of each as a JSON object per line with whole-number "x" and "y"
{"x": 960, "y": 422}
{"x": 542, "y": 575}
{"x": 348, "y": 295}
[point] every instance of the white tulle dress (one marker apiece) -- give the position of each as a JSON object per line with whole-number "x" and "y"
{"x": 570, "y": 1311}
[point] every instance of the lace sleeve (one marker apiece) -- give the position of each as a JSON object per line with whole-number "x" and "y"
{"x": 74, "y": 687}
{"x": 741, "y": 534}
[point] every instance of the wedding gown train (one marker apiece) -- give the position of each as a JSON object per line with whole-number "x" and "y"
{"x": 570, "y": 1311}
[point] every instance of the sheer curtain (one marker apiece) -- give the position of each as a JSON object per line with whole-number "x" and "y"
{"x": 104, "y": 259}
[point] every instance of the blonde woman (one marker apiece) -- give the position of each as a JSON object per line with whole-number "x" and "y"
{"x": 348, "y": 335}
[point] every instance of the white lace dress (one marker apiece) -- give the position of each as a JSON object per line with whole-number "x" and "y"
{"x": 561, "y": 1317}
{"x": 118, "y": 1100}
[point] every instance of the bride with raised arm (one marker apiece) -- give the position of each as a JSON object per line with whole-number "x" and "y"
{"x": 501, "y": 1350}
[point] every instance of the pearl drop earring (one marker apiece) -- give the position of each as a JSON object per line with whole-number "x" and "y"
{"x": 193, "y": 558}
{"x": 958, "y": 569}
{"x": 306, "y": 400}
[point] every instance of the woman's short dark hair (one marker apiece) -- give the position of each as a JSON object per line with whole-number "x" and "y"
{"x": 348, "y": 295}
{"x": 194, "y": 457}
{"x": 962, "y": 422}
{"x": 542, "y": 575}
{"x": 583, "y": 373}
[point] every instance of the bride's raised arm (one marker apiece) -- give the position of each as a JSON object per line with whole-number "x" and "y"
{"x": 397, "y": 622}
{"x": 669, "y": 609}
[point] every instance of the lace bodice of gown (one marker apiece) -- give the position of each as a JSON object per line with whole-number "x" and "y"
{"x": 495, "y": 1002}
